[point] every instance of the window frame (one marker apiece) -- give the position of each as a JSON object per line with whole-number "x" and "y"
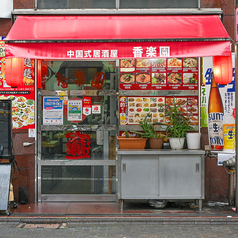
{"x": 117, "y": 5}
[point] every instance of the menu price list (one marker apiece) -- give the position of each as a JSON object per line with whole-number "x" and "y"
{"x": 159, "y": 74}
{"x": 133, "y": 109}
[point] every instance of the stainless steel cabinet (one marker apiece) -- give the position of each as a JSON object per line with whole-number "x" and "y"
{"x": 161, "y": 174}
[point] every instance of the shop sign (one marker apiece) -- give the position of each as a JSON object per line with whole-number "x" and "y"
{"x": 52, "y": 110}
{"x": 86, "y": 54}
{"x": 137, "y": 52}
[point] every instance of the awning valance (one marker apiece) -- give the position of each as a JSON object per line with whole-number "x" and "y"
{"x": 110, "y": 37}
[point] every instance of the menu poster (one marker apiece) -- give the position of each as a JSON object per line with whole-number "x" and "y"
{"x": 23, "y": 108}
{"x": 159, "y": 74}
{"x": 133, "y": 109}
{"x": 23, "y": 97}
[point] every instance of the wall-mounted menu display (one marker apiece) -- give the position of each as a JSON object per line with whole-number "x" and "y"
{"x": 135, "y": 108}
{"x": 159, "y": 74}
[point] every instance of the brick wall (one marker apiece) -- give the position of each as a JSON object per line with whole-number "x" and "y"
{"x": 24, "y": 4}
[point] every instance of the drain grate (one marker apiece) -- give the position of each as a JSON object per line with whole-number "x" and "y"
{"x": 34, "y": 226}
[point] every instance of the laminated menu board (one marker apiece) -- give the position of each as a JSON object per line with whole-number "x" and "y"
{"x": 159, "y": 74}
{"x": 135, "y": 108}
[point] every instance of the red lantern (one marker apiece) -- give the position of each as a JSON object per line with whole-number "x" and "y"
{"x": 14, "y": 71}
{"x": 222, "y": 69}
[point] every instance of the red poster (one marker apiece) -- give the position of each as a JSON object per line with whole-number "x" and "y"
{"x": 23, "y": 97}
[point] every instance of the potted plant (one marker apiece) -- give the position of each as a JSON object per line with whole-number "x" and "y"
{"x": 177, "y": 127}
{"x": 128, "y": 141}
{"x": 155, "y": 139}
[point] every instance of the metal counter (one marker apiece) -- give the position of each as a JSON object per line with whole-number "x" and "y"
{"x": 161, "y": 174}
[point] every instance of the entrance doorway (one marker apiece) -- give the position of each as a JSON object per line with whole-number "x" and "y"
{"x": 77, "y": 130}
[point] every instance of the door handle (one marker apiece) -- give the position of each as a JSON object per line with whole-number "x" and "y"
{"x": 124, "y": 168}
{"x": 197, "y": 168}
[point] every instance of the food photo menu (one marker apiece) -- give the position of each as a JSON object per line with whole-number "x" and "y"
{"x": 135, "y": 108}
{"x": 159, "y": 74}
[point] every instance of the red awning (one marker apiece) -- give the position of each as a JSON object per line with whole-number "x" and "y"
{"x": 84, "y": 37}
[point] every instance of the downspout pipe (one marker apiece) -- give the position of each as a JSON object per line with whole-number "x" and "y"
{"x": 236, "y": 127}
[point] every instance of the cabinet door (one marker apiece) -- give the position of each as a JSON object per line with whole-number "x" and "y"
{"x": 139, "y": 176}
{"x": 181, "y": 176}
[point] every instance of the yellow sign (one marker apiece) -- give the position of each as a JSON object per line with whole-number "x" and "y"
{"x": 2, "y": 48}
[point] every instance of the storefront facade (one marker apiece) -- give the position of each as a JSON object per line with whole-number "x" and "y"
{"x": 79, "y": 86}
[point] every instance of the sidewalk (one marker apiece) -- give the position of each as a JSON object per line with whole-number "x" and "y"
{"x": 62, "y": 212}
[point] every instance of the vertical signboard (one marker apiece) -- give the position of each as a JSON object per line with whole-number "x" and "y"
{"x": 220, "y": 119}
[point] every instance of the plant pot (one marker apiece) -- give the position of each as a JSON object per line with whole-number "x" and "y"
{"x": 131, "y": 143}
{"x": 193, "y": 140}
{"x": 156, "y": 143}
{"x": 176, "y": 143}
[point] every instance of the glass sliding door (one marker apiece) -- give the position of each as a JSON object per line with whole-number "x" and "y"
{"x": 77, "y": 131}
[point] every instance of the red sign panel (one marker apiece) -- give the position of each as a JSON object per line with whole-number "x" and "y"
{"x": 23, "y": 97}
{"x": 159, "y": 74}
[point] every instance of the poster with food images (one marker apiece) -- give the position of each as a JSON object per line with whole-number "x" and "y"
{"x": 133, "y": 109}
{"x": 159, "y": 74}
{"x": 23, "y": 96}
{"x": 23, "y": 110}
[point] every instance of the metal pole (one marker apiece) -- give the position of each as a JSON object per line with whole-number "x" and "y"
{"x": 36, "y": 130}
{"x": 236, "y": 132}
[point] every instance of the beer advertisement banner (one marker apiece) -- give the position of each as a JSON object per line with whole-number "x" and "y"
{"x": 218, "y": 109}
{"x": 23, "y": 97}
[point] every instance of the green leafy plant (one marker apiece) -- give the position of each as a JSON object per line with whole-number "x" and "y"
{"x": 127, "y": 135}
{"x": 148, "y": 128}
{"x": 178, "y": 122}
